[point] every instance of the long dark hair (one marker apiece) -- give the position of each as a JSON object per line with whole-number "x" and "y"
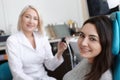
{"x": 104, "y": 60}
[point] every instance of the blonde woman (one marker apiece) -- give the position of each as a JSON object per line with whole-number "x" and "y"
{"x": 29, "y": 50}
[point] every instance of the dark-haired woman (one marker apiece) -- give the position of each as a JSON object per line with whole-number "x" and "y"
{"x": 95, "y": 47}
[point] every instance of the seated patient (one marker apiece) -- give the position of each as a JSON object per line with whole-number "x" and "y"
{"x": 95, "y": 40}
{"x": 29, "y": 50}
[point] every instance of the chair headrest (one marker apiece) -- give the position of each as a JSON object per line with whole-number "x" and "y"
{"x": 116, "y": 32}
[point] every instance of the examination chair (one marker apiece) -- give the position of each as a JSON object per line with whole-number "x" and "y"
{"x": 116, "y": 44}
{"x": 5, "y": 73}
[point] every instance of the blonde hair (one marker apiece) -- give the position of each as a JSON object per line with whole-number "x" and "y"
{"x": 40, "y": 22}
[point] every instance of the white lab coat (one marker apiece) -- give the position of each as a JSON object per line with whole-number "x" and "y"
{"x": 26, "y": 63}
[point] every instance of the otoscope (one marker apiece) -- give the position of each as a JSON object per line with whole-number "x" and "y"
{"x": 70, "y": 52}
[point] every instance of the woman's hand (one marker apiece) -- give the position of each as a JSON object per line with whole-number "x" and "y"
{"x": 62, "y": 46}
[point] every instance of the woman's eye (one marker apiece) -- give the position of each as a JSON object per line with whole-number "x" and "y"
{"x": 81, "y": 35}
{"x": 35, "y": 18}
{"x": 93, "y": 39}
{"x": 27, "y": 16}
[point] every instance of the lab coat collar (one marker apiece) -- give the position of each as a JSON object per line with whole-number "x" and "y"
{"x": 24, "y": 40}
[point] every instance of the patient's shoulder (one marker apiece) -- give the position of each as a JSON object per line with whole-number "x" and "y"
{"x": 107, "y": 75}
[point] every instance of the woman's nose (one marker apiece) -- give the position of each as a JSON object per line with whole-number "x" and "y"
{"x": 84, "y": 42}
{"x": 31, "y": 20}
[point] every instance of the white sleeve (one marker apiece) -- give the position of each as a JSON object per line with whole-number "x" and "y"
{"x": 51, "y": 62}
{"x": 13, "y": 52}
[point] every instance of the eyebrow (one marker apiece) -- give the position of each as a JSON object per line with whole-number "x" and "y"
{"x": 89, "y": 35}
{"x": 81, "y": 32}
{"x": 94, "y": 36}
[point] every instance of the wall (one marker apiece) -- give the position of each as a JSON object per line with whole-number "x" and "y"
{"x": 113, "y": 3}
{"x": 84, "y": 10}
{"x": 52, "y": 11}
{"x": 2, "y": 18}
